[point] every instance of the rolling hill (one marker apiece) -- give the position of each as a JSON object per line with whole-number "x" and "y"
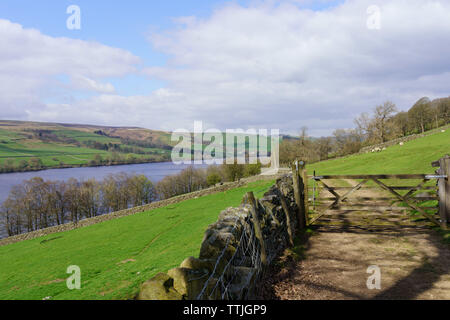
{"x": 116, "y": 256}
{"x": 28, "y": 146}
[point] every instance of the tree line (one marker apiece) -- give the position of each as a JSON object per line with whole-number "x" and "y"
{"x": 191, "y": 179}
{"x": 36, "y": 203}
{"x": 385, "y": 123}
{"x": 35, "y": 163}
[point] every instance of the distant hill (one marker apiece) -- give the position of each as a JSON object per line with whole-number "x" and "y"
{"x": 28, "y": 146}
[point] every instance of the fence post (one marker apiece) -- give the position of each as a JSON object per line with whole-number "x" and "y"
{"x": 256, "y": 224}
{"x": 444, "y": 191}
{"x": 447, "y": 187}
{"x": 288, "y": 215}
{"x": 305, "y": 193}
{"x": 299, "y": 199}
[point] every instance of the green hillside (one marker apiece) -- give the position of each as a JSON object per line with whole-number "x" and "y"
{"x": 413, "y": 157}
{"x": 115, "y": 256}
{"x": 28, "y": 146}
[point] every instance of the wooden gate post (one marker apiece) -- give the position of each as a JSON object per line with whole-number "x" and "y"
{"x": 447, "y": 187}
{"x": 305, "y": 195}
{"x": 446, "y": 162}
{"x": 444, "y": 191}
{"x": 299, "y": 197}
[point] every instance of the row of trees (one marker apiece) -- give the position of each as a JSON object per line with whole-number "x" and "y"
{"x": 115, "y": 147}
{"x": 10, "y": 165}
{"x": 191, "y": 179}
{"x": 37, "y": 204}
{"x": 383, "y": 124}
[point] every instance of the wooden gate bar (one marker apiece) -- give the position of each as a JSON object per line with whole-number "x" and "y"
{"x": 356, "y": 188}
{"x": 338, "y": 198}
{"x": 345, "y": 202}
{"x": 377, "y": 188}
{"x": 382, "y": 199}
{"x": 411, "y": 192}
{"x": 330, "y": 189}
{"x": 369, "y": 207}
{"x": 376, "y": 176}
{"x": 387, "y": 188}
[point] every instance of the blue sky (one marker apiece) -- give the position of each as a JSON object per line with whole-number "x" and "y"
{"x": 231, "y": 64}
{"x": 121, "y": 24}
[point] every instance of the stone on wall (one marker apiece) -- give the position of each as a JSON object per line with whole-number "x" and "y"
{"x": 160, "y": 287}
{"x": 222, "y": 257}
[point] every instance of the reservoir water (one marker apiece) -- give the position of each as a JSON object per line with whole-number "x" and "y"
{"x": 154, "y": 171}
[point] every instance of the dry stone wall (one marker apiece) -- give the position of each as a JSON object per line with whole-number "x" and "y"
{"x": 230, "y": 262}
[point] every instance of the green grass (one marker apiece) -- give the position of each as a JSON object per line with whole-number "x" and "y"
{"x": 414, "y": 157}
{"x": 16, "y": 146}
{"x": 115, "y": 256}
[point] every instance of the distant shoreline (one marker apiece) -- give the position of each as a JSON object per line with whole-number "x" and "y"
{"x": 87, "y": 165}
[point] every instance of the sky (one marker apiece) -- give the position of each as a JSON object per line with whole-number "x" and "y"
{"x": 263, "y": 64}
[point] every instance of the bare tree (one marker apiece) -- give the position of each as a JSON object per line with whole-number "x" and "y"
{"x": 421, "y": 114}
{"x": 382, "y": 116}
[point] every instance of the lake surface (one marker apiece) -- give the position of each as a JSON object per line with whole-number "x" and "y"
{"x": 154, "y": 171}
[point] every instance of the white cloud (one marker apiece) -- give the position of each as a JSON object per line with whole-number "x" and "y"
{"x": 30, "y": 64}
{"x": 274, "y": 65}
{"x": 286, "y": 65}
{"x": 84, "y": 83}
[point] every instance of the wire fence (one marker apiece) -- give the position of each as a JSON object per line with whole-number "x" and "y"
{"x": 236, "y": 277}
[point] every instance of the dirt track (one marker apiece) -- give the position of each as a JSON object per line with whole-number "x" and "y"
{"x": 414, "y": 265}
{"x": 414, "y": 262}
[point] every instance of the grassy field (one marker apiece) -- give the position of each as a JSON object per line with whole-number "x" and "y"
{"x": 414, "y": 157}
{"x": 18, "y": 143}
{"x": 116, "y": 256}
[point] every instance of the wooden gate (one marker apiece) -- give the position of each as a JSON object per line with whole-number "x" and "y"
{"x": 427, "y": 195}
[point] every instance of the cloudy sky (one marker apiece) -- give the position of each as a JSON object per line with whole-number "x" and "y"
{"x": 231, "y": 64}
